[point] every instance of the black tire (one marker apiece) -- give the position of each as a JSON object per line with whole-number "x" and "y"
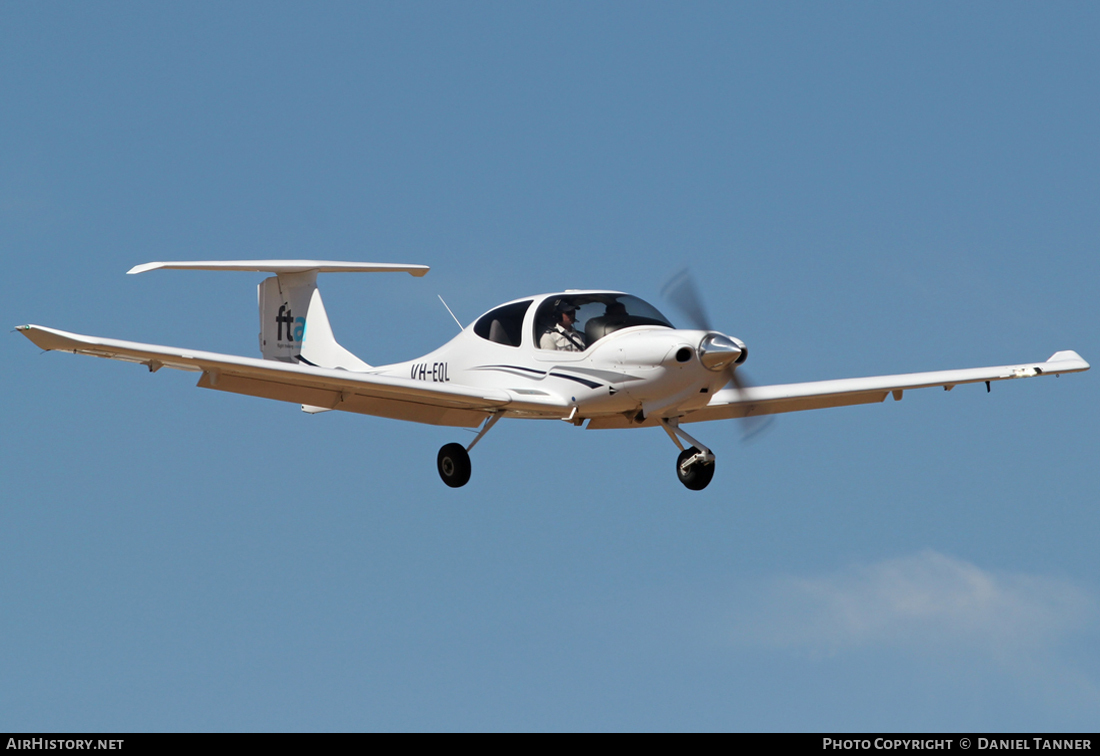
{"x": 454, "y": 465}
{"x": 698, "y": 475}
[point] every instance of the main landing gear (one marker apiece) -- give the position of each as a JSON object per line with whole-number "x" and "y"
{"x": 695, "y": 465}
{"x": 453, "y": 460}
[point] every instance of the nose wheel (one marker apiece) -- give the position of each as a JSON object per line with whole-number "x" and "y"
{"x": 695, "y": 465}
{"x": 693, "y": 470}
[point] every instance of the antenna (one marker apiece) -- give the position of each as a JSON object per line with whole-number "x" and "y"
{"x": 449, "y": 310}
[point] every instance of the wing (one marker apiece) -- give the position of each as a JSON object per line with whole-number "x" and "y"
{"x": 366, "y": 393}
{"x": 794, "y": 397}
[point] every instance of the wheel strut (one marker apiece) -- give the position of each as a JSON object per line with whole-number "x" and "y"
{"x": 453, "y": 460}
{"x": 489, "y": 423}
{"x": 673, "y": 429}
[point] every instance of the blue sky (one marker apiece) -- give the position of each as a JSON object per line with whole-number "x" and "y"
{"x": 860, "y": 189}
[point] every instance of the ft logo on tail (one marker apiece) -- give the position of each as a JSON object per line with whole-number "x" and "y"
{"x": 295, "y": 327}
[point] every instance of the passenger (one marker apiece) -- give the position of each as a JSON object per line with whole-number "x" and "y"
{"x": 562, "y": 335}
{"x": 613, "y": 318}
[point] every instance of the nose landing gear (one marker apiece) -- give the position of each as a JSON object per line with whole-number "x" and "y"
{"x": 453, "y": 460}
{"x": 695, "y": 465}
{"x": 692, "y": 469}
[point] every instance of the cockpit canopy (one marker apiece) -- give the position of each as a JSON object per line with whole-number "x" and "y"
{"x": 596, "y": 315}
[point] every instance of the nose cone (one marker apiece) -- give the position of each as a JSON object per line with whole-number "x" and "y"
{"x": 718, "y": 351}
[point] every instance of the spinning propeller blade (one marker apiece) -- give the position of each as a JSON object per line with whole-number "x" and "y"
{"x": 681, "y": 291}
{"x": 752, "y": 426}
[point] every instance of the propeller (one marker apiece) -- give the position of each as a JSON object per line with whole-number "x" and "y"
{"x": 684, "y": 295}
{"x": 682, "y": 292}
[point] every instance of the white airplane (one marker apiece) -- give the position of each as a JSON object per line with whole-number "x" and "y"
{"x": 604, "y": 357}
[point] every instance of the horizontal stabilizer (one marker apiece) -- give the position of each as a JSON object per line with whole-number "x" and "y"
{"x": 284, "y": 266}
{"x": 293, "y": 324}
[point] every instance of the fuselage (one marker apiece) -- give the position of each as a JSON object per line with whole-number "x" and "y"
{"x": 624, "y": 360}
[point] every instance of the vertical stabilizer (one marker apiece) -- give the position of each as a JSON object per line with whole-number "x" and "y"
{"x": 294, "y": 326}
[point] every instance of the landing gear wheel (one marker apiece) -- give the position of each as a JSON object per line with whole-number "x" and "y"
{"x": 697, "y": 475}
{"x": 454, "y": 465}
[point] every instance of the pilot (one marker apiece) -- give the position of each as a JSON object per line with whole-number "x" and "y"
{"x": 562, "y": 335}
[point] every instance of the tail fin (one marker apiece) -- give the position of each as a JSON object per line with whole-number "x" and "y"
{"x": 294, "y": 326}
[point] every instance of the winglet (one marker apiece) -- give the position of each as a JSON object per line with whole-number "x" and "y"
{"x": 1074, "y": 360}
{"x": 284, "y": 266}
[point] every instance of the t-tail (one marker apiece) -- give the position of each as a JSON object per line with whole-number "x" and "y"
{"x": 294, "y": 326}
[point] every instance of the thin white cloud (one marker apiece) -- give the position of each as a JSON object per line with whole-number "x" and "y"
{"x": 973, "y": 635}
{"x": 920, "y": 601}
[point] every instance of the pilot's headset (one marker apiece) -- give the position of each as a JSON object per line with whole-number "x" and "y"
{"x": 564, "y": 305}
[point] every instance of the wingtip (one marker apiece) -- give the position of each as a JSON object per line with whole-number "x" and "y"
{"x": 40, "y": 336}
{"x": 142, "y": 268}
